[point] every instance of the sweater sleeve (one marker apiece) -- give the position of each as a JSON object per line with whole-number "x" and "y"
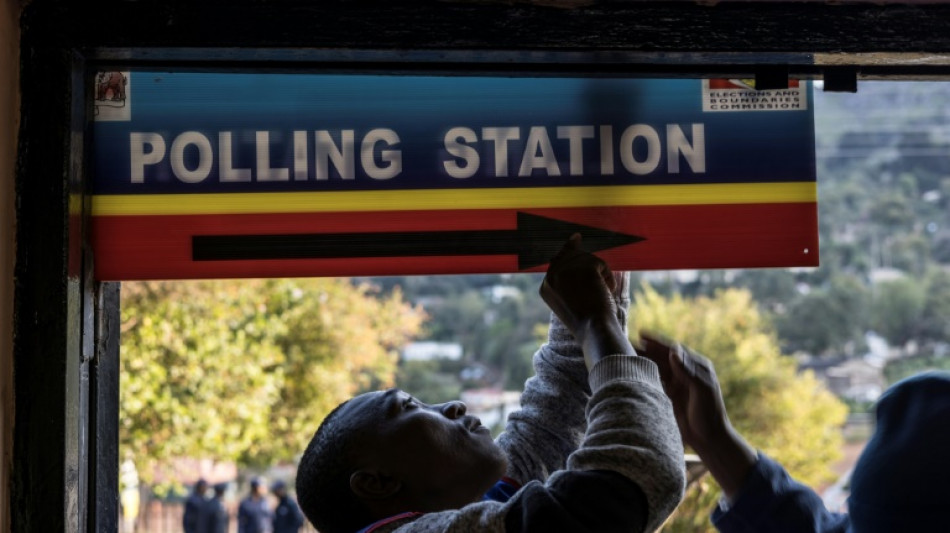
{"x": 632, "y": 431}
{"x": 552, "y": 421}
{"x": 540, "y": 436}
{"x": 627, "y": 475}
{"x": 770, "y": 500}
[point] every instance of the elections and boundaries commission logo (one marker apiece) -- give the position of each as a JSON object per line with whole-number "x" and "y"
{"x": 112, "y": 93}
{"x": 722, "y": 95}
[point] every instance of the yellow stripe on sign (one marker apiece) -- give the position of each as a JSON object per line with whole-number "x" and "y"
{"x": 433, "y": 199}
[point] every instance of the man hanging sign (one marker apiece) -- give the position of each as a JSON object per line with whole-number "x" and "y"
{"x": 202, "y": 175}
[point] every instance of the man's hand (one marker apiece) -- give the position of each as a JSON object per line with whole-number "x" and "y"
{"x": 690, "y": 381}
{"x": 580, "y": 289}
{"x": 578, "y": 285}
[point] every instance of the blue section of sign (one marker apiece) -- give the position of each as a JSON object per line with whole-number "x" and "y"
{"x": 262, "y": 132}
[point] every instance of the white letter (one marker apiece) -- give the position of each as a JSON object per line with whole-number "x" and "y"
{"x": 575, "y": 136}
{"x": 139, "y": 158}
{"x": 501, "y": 136}
{"x": 225, "y": 160}
{"x": 454, "y": 139}
{"x": 538, "y": 140}
{"x": 393, "y": 157}
{"x": 205, "y": 157}
{"x": 264, "y": 172}
{"x": 300, "y": 155}
{"x": 606, "y": 150}
{"x": 342, "y": 157}
{"x": 653, "y": 149}
{"x": 676, "y": 144}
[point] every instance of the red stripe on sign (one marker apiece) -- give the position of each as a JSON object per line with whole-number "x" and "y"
{"x": 676, "y": 237}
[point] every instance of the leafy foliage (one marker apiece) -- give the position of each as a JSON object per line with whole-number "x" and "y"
{"x": 789, "y": 416}
{"x": 906, "y": 367}
{"x": 897, "y": 308}
{"x": 934, "y": 325}
{"x": 245, "y": 370}
{"x": 496, "y": 331}
{"x": 430, "y": 381}
{"x": 883, "y": 196}
{"x": 826, "y": 318}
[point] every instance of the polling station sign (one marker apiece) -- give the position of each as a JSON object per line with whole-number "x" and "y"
{"x": 201, "y": 175}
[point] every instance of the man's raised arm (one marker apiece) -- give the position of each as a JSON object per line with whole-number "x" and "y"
{"x": 595, "y": 411}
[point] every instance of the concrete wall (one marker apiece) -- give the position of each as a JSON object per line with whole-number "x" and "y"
{"x": 9, "y": 124}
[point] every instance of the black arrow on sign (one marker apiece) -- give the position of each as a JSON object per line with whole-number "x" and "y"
{"x": 534, "y": 241}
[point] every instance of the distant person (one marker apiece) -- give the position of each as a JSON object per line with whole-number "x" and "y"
{"x": 287, "y": 515}
{"x": 254, "y": 513}
{"x": 194, "y": 504}
{"x": 129, "y": 494}
{"x": 216, "y": 518}
{"x": 898, "y": 484}
{"x": 594, "y": 447}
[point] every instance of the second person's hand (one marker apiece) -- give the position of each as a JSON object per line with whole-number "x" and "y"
{"x": 690, "y": 381}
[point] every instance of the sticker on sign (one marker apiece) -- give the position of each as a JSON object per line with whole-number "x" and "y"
{"x": 112, "y": 96}
{"x": 722, "y": 95}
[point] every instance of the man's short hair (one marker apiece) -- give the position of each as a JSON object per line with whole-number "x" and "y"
{"x": 323, "y": 476}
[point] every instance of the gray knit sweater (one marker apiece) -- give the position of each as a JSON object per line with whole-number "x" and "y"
{"x": 594, "y": 452}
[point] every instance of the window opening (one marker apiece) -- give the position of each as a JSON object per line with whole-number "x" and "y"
{"x": 864, "y": 318}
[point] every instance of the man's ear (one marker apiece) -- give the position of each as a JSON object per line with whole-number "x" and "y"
{"x": 373, "y": 485}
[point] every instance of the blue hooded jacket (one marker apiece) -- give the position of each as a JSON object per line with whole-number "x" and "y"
{"x": 900, "y": 482}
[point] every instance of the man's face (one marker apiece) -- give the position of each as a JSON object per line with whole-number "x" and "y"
{"x": 444, "y": 457}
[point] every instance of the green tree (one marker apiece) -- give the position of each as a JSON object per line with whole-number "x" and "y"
{"x": 909, "y": 252}
{"x": 897, "y": 308}
{"x": 789, "y": 416}
{"x": 245, "y": 370}
{"x": 826, "y": 319}
{"x": 771, "y": 287}
{"x": 509, "y": 337}
{"x": 934, "y": 325}
{"x": 892, "y": 211}
{"x": 430, "y": 381}
{"x": 906, "y": 367}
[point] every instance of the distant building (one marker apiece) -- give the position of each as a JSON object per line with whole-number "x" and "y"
{"x": 884, "y": 275}
{"x": 500, "y": 293}
{"x": 431, "y": 351}
{"x": 667, "y": 276}
{"x": 492, "y": 406}
{"x": 856, "y": 379}
{"x": 429, "y": 302}
{"x": 187, "y": 470}
{"x": 859, "y": 379}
